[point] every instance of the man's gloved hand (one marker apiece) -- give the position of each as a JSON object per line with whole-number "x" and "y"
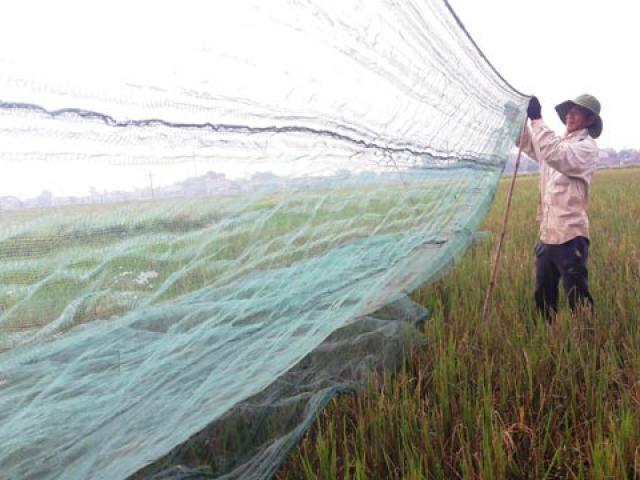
{"x": 534, "y": 110}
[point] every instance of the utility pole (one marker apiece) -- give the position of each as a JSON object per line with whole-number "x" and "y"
{"x": 151, "y": 184}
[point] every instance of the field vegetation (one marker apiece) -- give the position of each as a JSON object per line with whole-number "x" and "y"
{"x": 71, "y": 265}
{"x": 511, "y": 397}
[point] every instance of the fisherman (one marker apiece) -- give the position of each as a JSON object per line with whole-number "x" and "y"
{"x": 567, "y": 164}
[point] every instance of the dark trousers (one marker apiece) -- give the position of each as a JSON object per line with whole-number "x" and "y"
{"x": 569, "y": 262}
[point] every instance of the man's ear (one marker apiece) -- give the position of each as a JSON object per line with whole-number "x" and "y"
{"x": 591, "y": 120}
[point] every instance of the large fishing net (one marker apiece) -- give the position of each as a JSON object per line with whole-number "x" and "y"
{"x": 211, "y": 215}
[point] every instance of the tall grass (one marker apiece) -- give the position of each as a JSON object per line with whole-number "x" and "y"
{"x": 511, "y": 397}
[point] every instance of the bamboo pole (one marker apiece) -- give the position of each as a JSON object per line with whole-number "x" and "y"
{"x": 507, "y": 211}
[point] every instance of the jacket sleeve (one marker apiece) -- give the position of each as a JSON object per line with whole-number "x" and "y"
{"x": 571, "y": 158}
{"x": 527, "y": 146}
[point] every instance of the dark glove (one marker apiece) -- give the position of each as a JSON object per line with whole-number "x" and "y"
{"x": 534, "y": 110}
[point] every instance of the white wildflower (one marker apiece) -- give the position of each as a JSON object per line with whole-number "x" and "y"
{"x": 144, "y": 277}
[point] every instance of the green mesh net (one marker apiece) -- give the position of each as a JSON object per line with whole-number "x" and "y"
{"x": 210, "y": 220}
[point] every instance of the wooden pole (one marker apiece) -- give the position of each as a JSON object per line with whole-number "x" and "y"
{"x": 496, "y": 260}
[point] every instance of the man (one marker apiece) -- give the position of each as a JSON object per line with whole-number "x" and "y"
{"x": 567, "y": 164}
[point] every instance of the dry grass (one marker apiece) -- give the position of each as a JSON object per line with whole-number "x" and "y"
{"x": 512, "y": 397}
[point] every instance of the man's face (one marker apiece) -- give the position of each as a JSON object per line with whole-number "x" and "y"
{"x": 578, "y": 118}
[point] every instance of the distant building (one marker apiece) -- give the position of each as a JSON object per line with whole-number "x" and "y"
{"x": 10, "y": 203}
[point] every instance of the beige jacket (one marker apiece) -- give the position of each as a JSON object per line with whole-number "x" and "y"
{"x": 567, "y": 164}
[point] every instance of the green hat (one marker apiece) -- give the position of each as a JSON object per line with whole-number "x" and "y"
{"x": 589, "y": 102}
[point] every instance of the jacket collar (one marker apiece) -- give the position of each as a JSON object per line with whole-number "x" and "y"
{"x": 578, "y": 134}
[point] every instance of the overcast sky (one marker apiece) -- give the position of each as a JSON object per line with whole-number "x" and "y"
{"x": 559, "y": 49}
{"x": 556, "y": 49}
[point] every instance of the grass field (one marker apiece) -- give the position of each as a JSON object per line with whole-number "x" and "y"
{"x": 512, "y": 397}
{"x": 68, "y": 266}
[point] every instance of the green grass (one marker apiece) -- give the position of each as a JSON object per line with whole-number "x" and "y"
{"x": 510, "y": 397}
{"x": 77, "y": 264}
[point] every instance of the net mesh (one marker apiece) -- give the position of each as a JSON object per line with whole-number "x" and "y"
{"x": 194, "y": 206}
